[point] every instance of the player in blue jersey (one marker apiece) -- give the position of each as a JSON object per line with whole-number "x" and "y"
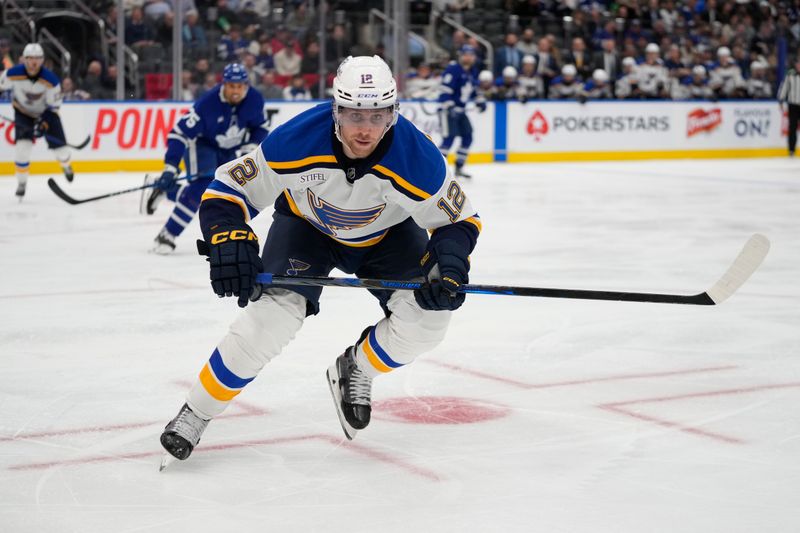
{"x": 458, "y": 88}
{"x": 354, "y": 186}
{"x": 227, "y": 119}
{"x": 36, "y": 97}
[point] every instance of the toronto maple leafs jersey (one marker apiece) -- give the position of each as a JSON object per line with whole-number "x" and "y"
{"x": 301, "y": 169}
{"x": 32, "y": 95}
{"x": 217, "y": 124}
{"x": 458, "y": 86}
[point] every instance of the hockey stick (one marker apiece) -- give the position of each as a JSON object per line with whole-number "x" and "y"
{"x": 56, "y": 188}
{"x": 79, "y": 146}
{"x": 743, "y": 266}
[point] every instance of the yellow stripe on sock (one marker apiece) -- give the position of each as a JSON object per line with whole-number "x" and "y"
{"x": 373, "y": 359}
{"x": 212, "y": 386}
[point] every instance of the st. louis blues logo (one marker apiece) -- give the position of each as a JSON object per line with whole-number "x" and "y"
{"x": 296, "y": 266}
{"x": 330, "y": 218}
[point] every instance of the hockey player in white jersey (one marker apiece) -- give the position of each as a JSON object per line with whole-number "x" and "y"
{"x": 726, "y": 78}
{"x": 652, "y": 76}
{"x": 354, "y": 186}
{"x": 36, "y": 97}
{"x": 758, "y": 86}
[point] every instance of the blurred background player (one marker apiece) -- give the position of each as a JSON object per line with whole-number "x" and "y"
{"x": 378, "y": 183}
{"x": 458, "y": 88}
{"x": 596, "y": 88}
{"x": 789, "y": 96}
{"x": 568, "y": 86}
{"x": 227, "y": 119}
{"x": 36, "y": 97}
{"x": 653, "y": 76}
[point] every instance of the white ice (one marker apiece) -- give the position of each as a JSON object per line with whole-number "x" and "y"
{"x": 600, "y": 416}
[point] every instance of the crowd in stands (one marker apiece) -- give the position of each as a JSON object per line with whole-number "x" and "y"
{"x": 554, "y": 49}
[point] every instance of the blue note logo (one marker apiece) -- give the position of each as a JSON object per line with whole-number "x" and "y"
{"x": 330, "y": 219}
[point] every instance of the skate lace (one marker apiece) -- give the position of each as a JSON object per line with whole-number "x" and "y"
{"x": 359, "y": 385}
{"x": 189, "y": 426}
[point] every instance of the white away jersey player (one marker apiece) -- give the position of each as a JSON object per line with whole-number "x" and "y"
{"x": 297, "y": 167}
{"x": 32, "y": 95}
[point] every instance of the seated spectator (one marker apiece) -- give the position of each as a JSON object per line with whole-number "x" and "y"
{"x": 508, "y": 55}
{"x": 264, "y": 57}
{"x": 694, "y": 87}
{"x": 758, "y": 86}
{"x": 188, "y": 89}
{"x": 296, "y": 90}
{"x": 546, "y": 62}
{"x": 288, "y": 60}
{"x": 194, "y": 36}
{"x": 93, "y": 82}
{"x": 726, "y": 78}
{"x": 138, "y": 33}
{"x": 567, "y": 86}
{"x": 508, "y": 88}
{"x": 232, "y": 45}
{"x": 267, "y": 87}
{"x": 337, "y": 47}
{"x": 298, "y": 21}
{"x": 311, "y": 59}
{"x": 423, "y": 85}
{"x": 652, "y": 75}
{"x": 225, "y": 16}
{"x": 627, "y": 86}
{"x": 164, "y": 29}
{"x": 607, "y": 59}
{"x": 531, "y": 85}
{"x": 527, "y": 43}
{"x": 486, "y": 89}
{"x": 597, "y": 88}
{"x": 579, "y": 57}
{"x": 254, "y": 71}
{"x": 201, "y": 68}
{"x": 154, "y": 10}
{"x": 70, "y": 93}
{"x": 674, "y": 64}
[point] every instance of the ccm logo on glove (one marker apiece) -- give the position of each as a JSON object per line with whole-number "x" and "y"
{"x": 234, "y": 235}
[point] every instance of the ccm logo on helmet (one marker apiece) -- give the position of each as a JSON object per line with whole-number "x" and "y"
{"x": 235, "y": 235}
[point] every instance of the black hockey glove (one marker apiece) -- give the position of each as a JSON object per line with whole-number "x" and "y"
{"x": 39, "y": 127}
{"x": 235, "y": 262}
{"x": 445, "y": 268}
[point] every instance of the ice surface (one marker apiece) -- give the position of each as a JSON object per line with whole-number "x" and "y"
{"x": 535, "y": 415}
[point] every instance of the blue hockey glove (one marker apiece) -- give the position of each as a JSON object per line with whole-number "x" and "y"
{"x": 167, "y": 180}
{"x": 163, "y": 185}
{"x": 235, "y": 262}
{"x": 445, "y": 268}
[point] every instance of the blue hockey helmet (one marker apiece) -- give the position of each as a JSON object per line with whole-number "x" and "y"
{"x": 234, "y": 73}
{"x": 467, "y": 49}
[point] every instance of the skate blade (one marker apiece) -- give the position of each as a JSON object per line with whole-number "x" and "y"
{"x": 349, "y": 431}
{"x": 166, "y": 460}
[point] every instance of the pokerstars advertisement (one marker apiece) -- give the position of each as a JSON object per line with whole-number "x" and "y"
{"x": 542, "y": 127}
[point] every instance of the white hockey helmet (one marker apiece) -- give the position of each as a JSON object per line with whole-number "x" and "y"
{"x": 509, "y": 72}
{"x": 569, "y": 70}
{"x": 33, "y": 50}
{"x": 486, "y": 75}
{"x": 699, "y": 70}
{"x": 723, "y": 51}
{"x": 600, "y": 75}
{"x": 758, "y": 65}
{"x": 364, "y": 82}
{"x": 652, "y": 48}
{"x": 629, "y": 62}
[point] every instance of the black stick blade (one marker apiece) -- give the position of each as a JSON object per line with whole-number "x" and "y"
{"x": 58, "y": 191}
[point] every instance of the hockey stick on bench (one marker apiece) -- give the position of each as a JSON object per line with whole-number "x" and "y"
{"x": 742, "y": 268}
{"x": 56, "y": 188}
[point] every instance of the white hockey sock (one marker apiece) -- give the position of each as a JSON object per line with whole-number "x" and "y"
{"x": 63, "y": 154}
{"x": 22, "y": 160}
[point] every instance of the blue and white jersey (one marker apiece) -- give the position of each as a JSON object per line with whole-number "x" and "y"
{"x": 300, "y": 168}
{"x": 458, "y": 86}
{"x": 215, "y": 123}
{"x": 32, "y": 95}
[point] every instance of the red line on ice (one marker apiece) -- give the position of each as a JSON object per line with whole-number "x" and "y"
{"x": 586, "y": 381}
{"x": 618, "y": 407}
{"x": 356, "y": 448}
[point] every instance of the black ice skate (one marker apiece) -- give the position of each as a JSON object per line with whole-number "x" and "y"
{"x": 69, "y": 173}
{"x": 352, "y": 390}
{"x": 20, "y": 191}
{"x": 164, "y": 243}
{"x": 461, "y": 174}
{"x": 181, "y": 435}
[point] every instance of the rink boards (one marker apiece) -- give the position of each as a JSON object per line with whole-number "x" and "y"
{"x": 131, "y": 136}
